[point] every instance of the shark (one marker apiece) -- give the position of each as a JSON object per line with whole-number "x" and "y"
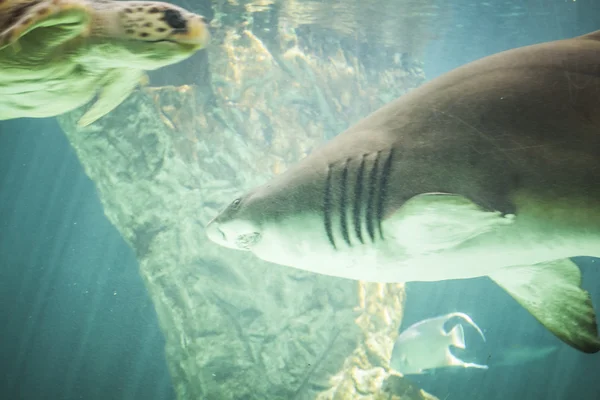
{"x": 489, "y": 170}
{"x": 518, "y": 355}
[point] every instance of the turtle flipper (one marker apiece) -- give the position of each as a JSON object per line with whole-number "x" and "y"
{"x": 71, "y": 16}
{"x": 117, "y": 85}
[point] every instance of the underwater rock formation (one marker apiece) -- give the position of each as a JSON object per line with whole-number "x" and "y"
{"x": 168, "y": 158}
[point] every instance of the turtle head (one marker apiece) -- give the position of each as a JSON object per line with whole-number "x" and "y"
{"x": 147, "y": 34}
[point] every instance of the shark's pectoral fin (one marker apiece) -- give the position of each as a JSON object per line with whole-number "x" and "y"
{"x": 117, "y": 85}
{"x": 453, "y": 361}
{"x": 432, "y": 222}
{"x": 551, "y": 292}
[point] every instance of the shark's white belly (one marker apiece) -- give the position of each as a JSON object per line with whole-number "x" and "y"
{"x": 526, "y": 241}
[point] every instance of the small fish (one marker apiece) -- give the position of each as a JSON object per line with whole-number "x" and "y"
{"x": 426, "y": 346}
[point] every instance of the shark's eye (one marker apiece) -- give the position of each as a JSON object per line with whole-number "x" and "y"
{"x": 236, "y": 203}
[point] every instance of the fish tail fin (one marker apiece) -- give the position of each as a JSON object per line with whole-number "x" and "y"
{"x": 452, "y": 360}
{"x": 457, "y": 336}
{"x": 552, "y": 293}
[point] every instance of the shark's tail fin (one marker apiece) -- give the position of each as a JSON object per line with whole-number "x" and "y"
{"x": 552, "y": 293}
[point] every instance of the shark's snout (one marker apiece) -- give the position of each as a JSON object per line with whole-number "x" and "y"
{"x": 232, "y": 234}
{"x": 215, "y": 234}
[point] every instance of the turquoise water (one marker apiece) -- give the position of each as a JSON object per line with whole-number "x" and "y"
{"x": 76, "y": 320}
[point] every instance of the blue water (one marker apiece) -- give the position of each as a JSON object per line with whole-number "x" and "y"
{"x": 475, "y": 29}
{"x": 76, "y": 321}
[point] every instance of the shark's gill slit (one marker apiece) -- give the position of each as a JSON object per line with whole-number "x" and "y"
{"x": 343, "y": 203}
{"x": 358, "y": 189}
{"x": 383, "y": 187}
{"x": 327, "y": 207}
{"x": 371, "y": 198}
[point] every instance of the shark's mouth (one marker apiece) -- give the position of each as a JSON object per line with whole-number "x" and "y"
{"x": 247, "y": 240}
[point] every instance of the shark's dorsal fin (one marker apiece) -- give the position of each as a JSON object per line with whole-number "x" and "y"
{"x": 590, "y": 36}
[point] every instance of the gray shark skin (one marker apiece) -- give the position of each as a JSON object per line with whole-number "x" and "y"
{"x": 492, "y": 169}
{"x": 521, "y": 355}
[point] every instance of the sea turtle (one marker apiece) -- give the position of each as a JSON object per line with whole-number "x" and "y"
{"x": 56, "y": 55}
